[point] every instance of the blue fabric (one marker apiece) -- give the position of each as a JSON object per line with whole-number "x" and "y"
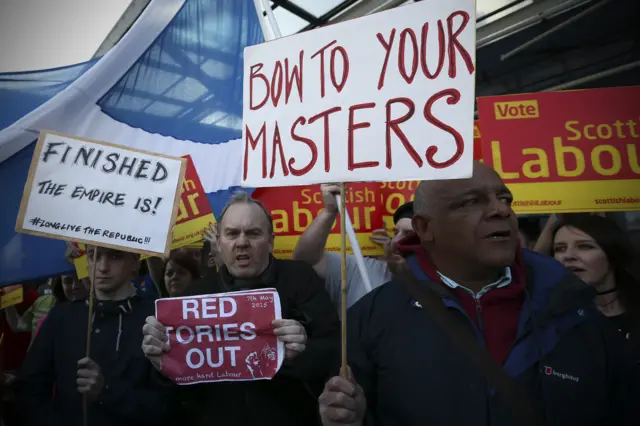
{"x": 187, "y": 85}
{"x": 420, "y": 275}
{"x": 23, "y": 257}
{"x": 146, "y": 287}
{"x": 23, "y": 92}
{"x": 219, "y": 199}
{"x": 412, "y": 262}
{"x": 529, "y": 349}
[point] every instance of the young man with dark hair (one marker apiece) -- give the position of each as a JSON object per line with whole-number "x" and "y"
{"x": 115, "y": 379}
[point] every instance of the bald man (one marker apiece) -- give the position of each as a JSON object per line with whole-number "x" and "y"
{"x": 535, "y": 319}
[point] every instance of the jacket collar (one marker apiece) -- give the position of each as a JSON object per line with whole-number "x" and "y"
{"x": 266, "y": 279}
{"x": 501, "y": 282}
{"x": 553, "y": 289}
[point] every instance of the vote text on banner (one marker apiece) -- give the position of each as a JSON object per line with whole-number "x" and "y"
{"x": 573, "y": 151}
{"x": 221, "y": 337}
{"x": 386, "y": 97}
{"x": 100, "y": 193}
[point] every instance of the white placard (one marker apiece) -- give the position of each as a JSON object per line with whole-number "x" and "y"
{"x": 386, "y": 97}
{"x": 100, "y": 193}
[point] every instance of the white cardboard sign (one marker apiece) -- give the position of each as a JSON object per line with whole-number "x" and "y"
{"x": 386, "y": 97}
{"x": 100, "y": 193}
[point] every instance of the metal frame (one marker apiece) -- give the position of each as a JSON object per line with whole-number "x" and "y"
{"x": 350, "y": 9}
{"x": 558, "y": 27}
{"x": 346, "y": 10}
{"x": 537, "y": 12}
{"x": 524, "y": 18}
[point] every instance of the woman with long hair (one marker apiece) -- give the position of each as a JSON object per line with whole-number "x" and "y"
{"x": 179, "y": 272}
{"x": 601, "y": 254}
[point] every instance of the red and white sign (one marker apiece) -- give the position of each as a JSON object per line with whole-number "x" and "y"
{"x": 386, "y": 97}
{"x": 221, "y": 337}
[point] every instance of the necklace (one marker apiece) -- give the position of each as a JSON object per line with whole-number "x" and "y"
{"x": 604, "y": 305}
{"x": 611, "y": 290}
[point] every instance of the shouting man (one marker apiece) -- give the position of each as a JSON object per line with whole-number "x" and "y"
{"x": 535, "y": 319}
{"x": 310, "y": 332}
{"x": 116, "y": 379}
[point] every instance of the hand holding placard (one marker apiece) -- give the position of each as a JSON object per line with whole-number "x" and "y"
{"x": 342, "y": 402}
{"x": 292, "y": 334}
{"x": 105, "y": 195}
{"x": 155, "y": 341}
{"x": 90, "y": 379}
{"x": 220, "y": 337}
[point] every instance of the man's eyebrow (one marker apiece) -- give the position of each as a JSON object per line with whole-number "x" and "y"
{"x": 499, "y": 189}
{"x": 502, "y": 189}
{"x": 233, "y": 228}
{"x": 451, "y": 195}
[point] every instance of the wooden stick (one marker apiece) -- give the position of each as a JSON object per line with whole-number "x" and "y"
{"x": 344, "y": 372}
{"x": 85, "y": 411}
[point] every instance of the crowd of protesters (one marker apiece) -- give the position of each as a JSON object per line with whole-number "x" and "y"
{"x": 558, "y": 312}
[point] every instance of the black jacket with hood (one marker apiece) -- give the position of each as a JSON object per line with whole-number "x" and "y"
{"x": 290, "y": 398}
{"x": 573, "y": 364}
{"x": 48, "y": 392}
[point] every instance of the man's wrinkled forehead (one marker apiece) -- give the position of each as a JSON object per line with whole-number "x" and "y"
{"x": 244, "y": 216}
{"x": 479, "y": 183}
{"x": 483, "y": 180}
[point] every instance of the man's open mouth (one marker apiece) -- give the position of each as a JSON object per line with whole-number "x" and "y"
{"x": 243, "y": 259}
{"x": 499, "y": 235}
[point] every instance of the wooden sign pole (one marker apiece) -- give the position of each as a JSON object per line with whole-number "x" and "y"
{"x": 343, "y": 277}
{"x": 92, "y": 290}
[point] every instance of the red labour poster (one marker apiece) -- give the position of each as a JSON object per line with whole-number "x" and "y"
{"x": 221, "y": 337}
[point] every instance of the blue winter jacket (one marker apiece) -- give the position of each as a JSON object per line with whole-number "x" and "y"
{"x": 573, "y": 363}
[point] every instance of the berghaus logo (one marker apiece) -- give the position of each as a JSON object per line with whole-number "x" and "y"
{"x": 549, "y": 371}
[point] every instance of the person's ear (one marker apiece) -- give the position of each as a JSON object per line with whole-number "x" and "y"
{"x": 136, "y": 264}
{"x": 423, "y": 226}
{"x": 272, "y": 238}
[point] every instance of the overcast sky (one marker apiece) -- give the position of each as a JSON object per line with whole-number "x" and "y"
{"x": 40, "y": 34}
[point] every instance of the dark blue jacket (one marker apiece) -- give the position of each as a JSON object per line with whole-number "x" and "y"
{"x": 567, "y": 355}
{"x": 48, "y": 392}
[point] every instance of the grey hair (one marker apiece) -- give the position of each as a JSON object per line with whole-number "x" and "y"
{"x": 243, "y": 197}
